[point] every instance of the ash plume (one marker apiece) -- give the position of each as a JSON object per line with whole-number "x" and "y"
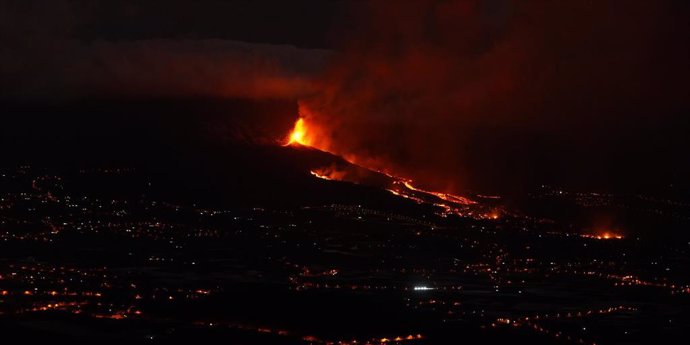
{"x": 486, "y": 93}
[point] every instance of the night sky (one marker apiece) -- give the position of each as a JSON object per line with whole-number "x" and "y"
{"x": 494, "y": 96}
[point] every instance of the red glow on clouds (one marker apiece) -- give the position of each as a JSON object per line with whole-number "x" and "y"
{"x": 305, "y": 133}
{"x": 423, "y": 89}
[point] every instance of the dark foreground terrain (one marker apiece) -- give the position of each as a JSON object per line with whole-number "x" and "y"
{"x": 121, "y": 255}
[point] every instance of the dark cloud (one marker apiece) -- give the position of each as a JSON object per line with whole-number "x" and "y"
{"x": 159, "y": 68}
{"x": 49, "y": 50}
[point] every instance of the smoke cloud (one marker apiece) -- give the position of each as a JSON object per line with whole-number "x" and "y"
{"x": 461, "y": 94}
{"x": 485, "y": 95}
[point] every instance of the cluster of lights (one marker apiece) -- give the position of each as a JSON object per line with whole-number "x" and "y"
{"x": 423, "y": 288}
{"x": 310, "y": 338}
{"x": 604, "y": 236}
{"x": 528, "y": 322}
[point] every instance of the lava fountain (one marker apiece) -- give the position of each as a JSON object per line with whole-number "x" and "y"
{"x": 298, "y": 134}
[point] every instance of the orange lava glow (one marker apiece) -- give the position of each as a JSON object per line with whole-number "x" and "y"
{"x": 442, "y": 196}
{"x": 604, "y": 235}
{"x": 330, "y": 173}
{"x": 298, "y": 134}
{"x": 492, "y": 215}
{"x": 321, "y": 175}
{"x": 305, "y": 133}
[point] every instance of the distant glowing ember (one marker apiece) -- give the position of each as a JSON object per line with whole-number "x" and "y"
{"x": 492, "y": 215}
{"x": 605, "y": 235}
{"x": 331, "y": 173}
{"x": 423, "y": 288}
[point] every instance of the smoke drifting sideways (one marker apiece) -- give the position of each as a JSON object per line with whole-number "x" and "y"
{"x": 43, "y": 55}
{"x": 497, "y": 95}
{"x": 485, "y": 95}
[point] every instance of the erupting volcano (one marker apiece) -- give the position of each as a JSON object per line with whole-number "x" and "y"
{"x": 350, "y": 170}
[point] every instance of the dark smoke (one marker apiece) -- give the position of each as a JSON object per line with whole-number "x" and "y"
{"x": 495, "y": 95}
{"x": 44, "y": 56}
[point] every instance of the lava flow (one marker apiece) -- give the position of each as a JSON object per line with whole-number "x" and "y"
{"x": 352, "y": 172}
